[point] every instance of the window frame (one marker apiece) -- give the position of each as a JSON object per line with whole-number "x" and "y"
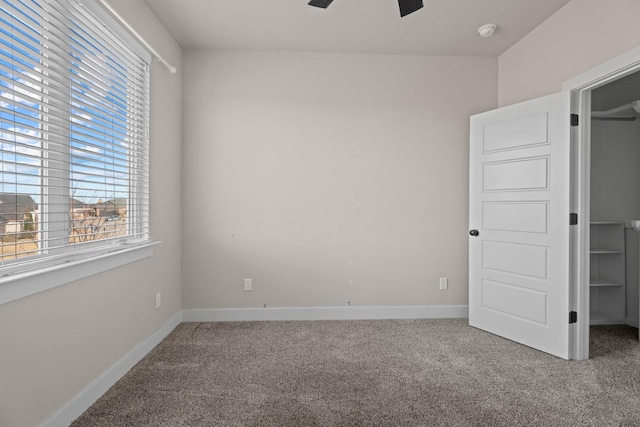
{"x": 51, "y": 271}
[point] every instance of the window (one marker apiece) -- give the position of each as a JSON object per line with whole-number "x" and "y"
{"x": 74, "y": 107}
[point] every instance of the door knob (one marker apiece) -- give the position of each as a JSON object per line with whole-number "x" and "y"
{"x": 474, "y": 233}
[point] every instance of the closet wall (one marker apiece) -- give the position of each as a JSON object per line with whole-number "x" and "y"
{"x": 615, "y": 176}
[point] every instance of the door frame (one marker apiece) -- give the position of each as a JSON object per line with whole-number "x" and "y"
{"x": 580, "y": 88}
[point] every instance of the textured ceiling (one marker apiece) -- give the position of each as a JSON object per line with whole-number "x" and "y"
{"x": 442, "y": 27}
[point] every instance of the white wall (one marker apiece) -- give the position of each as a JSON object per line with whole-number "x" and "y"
{"x": 55, "y": 343}
{"x": 327, "y": 178}
{"x": 581, "y": 35}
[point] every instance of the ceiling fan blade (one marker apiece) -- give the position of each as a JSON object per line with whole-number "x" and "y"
{"x": 320, "y": 3}
{"x": 408, "y": 6}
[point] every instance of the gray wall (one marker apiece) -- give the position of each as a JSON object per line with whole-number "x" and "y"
{"x": 53, "y": 344}
{"x": 615, "y": 179}
{"x": 327, "y": 178}
{"x": 615, "y": 176}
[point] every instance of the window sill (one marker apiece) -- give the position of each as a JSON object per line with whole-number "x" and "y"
{"x": 21, "y": 285}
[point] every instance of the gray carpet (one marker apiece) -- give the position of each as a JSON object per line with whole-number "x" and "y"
{"x": 371, "y": 373}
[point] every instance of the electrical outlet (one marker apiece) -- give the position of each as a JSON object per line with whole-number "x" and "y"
{"x": 248, "y": 285}
{"x": 444, "y": 283}
{"x": 158, "y": 299}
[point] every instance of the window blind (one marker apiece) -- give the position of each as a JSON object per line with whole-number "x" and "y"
{"x": 74, "y": 151}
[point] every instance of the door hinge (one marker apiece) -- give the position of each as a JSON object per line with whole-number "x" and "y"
{"x": 573, "y": 218}
{"x": 573, "y": 317}
{"x": 574, "y": 120}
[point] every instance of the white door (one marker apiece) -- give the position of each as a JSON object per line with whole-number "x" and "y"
{"x": 519, "y": 223}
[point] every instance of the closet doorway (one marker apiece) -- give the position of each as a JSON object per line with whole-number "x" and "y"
{"x": 615, "y": 202}
{"x": 605, "y": 253}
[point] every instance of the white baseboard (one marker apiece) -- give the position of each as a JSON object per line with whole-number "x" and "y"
{"x": 87, "y": 397}
{"x": 326, "y": 313}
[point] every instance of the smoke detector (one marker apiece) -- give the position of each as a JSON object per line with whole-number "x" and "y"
{"x": 487, "y": 30}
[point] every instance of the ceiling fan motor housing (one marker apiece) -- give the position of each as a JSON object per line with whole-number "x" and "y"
{"x": 406, "y": 6}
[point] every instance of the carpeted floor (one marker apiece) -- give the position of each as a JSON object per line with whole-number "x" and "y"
{"x": 371, "y": 373}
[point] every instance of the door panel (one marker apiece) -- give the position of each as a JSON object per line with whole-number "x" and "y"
{"x": 506, "y": 135}
{"x": 519, "y": 203}
{"x": 516, "y": 216}
{"x": 515, "y": 301}
{"x": 517, "y": 175}
{"x": 515, "y": 258}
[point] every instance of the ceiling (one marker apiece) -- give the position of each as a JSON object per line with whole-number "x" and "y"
{"x": 442, "y": 27}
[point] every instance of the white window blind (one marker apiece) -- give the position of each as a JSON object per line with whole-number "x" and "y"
{"x": 74, "y": 107}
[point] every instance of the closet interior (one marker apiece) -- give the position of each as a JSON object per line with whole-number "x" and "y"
{"x": 615, "y": 202}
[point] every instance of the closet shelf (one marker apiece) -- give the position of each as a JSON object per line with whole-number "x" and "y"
{"x": 604, "y": 251}
{"x": 606, "y": 222}
{"x": 597, "y": 281}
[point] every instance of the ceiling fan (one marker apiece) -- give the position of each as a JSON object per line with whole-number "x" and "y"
{"x": 406, "y": 6}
